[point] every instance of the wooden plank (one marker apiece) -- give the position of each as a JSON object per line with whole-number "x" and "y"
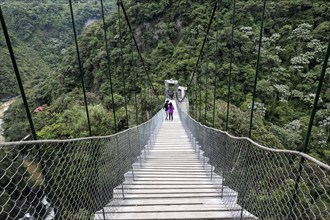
{"x": 178, "y": 215}
{"x": 175, "y": 186}
{"x": 173, "y": 190}
{"x": 172, "y": 183}
{"x": 172, "y": 201}
{"x": 170, "y": 208}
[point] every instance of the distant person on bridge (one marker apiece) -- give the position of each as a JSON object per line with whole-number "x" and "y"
{"x": 170, "y": 111}
{"x": 172, "y": 95}
{"x": 166, "y": 109}
{"x": 168, "y": 94}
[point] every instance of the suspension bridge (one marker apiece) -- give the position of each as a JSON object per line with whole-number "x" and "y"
{"x": 160, "y": 169}
{"x": 172, "y": 180}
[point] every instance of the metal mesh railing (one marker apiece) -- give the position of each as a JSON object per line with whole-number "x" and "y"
{"x": 268, "y": 183}
{"x": 70, "y": 179}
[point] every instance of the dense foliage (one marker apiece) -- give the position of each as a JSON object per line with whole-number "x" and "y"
{"x": 170, "y": 34}
{"x": 40, "y": 34}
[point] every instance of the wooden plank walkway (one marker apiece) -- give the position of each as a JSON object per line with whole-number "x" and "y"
{"x": 172, "y": 183}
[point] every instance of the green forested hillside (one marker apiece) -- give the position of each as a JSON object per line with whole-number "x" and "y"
{"x": 40, "y": 33}
{"x": 170, "y": 35}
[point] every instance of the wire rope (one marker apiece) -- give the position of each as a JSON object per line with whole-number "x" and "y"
{"x": 257, "y": 66}
{"x": 135, "y": 85}
{"x": 17, "y": 73}
{"x": 231, "y": 62}
{"x": 108, "y": 66}
{"x": 309, "y": 130}
{"x": 80, "y": 68}
{"x": 206, "y": 90}
{"x": 122, "y": 63}
{"x": 215, "y": 78}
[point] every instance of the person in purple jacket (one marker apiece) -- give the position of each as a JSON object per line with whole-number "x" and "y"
{"x": 170, "y": 111}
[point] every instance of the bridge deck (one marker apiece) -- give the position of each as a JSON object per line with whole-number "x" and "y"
{"x": 172, "y": 183}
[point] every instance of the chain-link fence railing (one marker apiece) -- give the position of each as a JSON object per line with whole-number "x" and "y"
{"x": 70, "y": 179}
{"x": 271, "y": 183}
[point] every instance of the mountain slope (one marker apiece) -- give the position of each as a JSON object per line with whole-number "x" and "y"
{"x": 170, "y": 34}
{"x": 39, "y": 32}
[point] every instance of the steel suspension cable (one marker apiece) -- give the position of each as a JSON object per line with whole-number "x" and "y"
{"x": 316, "y": 99}
{"x": 195, "y": 102}
{"x": 257, "y": 65}
{"x": 123, "y": 74}
{"x": 202, "y": 48}
{"x": 151, "y": 102}
{"x": 122, "y": 62}
{"x": 137, "y": 48}
{"x": 146, "y": 103}
{"x": 108, "y": 66}
{"x": 231, "y": 61}
{"x": 18, "y": 76}
{"x": 135, "y": 85}
{"x": 206, "y": 83}
{"x": 215, "y": 72}
{"x": 80, "y": 68}
{"x": 215, "y": 78}
{"x": 199, "y": 79}
{"x": 309, "y": 130}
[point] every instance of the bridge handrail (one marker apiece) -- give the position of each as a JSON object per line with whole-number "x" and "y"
{"x": 271, "y": 183}
{"x": 17, "y": 143}
{"x": 69, "y": 179}
{"x": 306, "y": 156}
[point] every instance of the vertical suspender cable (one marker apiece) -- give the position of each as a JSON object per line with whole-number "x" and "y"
{"x": 145, "y": 100}
{"x": 231, "y": 61}
{"x": 257, "y": 66}
{"x": 150, "y": 95}
{"x": 215, "y": 72}
{"x": 316, "y": 99}
{"x": 122, "y": 62}
{"x": 199, "y": 79}
{"x": 18, "y": 76}
{"x": 80, "y": 67}
{"x": 215, "y": 77}
{"x": 108, "y": 67}
{"x": 147, "y": 103}
{"x": 206, "y": 82}
{"x": 195, "y": 101}
{"x": 309, "y": 131}
{"x": 145, "y": 115}
{"x": 123, "y": 75}
{"x": 135, "y": 85}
